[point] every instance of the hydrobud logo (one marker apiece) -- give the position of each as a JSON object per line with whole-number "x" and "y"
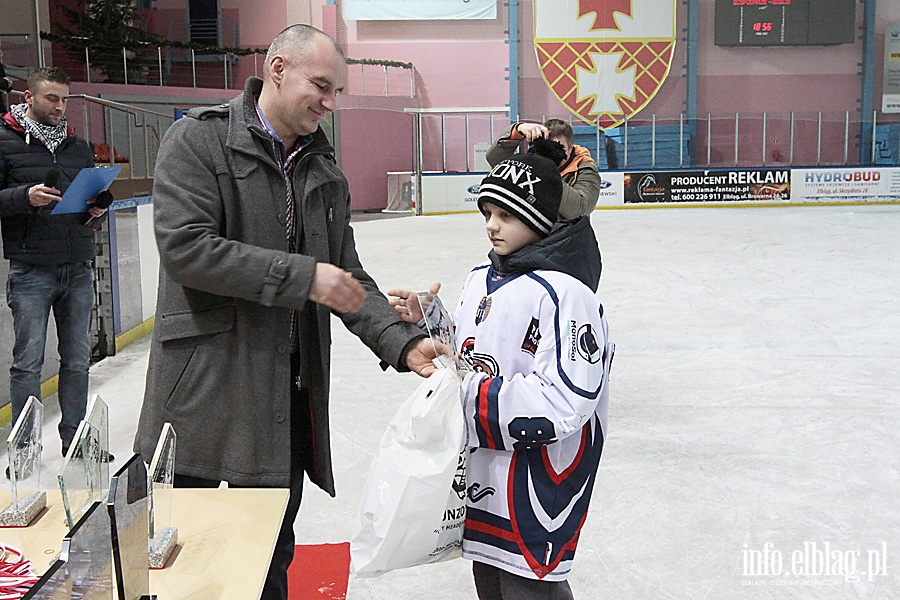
{"x": 812, "y": 563}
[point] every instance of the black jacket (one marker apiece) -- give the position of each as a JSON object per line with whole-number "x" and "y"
{"x": 33, "y": 235}
{"x": 570, "y": 248}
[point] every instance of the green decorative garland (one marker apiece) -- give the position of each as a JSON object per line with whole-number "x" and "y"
{"x": 151, "y": 40}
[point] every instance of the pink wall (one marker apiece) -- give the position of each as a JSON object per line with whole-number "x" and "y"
{"x": 463, "y": 64}
{"x": 374, "y": 134}
{"x": 373, "y": 142}
{"x": 458, "y": 63}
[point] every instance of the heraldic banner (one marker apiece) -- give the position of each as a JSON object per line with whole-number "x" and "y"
{"x": 604, "y": 59}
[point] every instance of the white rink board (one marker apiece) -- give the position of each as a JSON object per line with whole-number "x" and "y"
{"x": 452, "y": 193}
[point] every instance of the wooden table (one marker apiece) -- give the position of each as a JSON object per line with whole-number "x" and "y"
{"x": 225, "y": 541}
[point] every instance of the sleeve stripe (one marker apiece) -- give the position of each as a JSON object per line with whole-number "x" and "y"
{"x": 487, "y": 423}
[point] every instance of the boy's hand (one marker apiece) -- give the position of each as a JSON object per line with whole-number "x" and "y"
{"x": 407, "y": 304}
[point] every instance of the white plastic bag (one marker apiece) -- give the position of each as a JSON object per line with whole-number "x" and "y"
{"x": 413, "y": 506}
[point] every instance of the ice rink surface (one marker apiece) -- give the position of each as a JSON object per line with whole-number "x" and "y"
{"x": 753, "y": 447}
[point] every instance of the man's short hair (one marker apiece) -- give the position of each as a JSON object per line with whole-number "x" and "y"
{"x": 297, "y": 38}
{"x": 46, "y": 75}
{"x": 560, "y": 129}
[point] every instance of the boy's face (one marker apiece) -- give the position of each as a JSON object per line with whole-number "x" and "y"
{"x": 506, "y": 232}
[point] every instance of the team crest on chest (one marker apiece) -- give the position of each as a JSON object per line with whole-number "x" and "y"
{"x": 484, "y": 308}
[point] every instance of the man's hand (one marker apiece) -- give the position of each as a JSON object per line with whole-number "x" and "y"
{"x": 419, "y": 357}
{"x": 532, "y": 131}
{"x": 41, "y": 195}
{"x": 336, "y": 289}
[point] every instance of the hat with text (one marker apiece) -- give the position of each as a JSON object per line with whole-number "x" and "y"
{"x": 526, "y": 185}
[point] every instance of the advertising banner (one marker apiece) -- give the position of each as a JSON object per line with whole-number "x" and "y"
{"x": 756, "y": 185}
{"x": 890, "y": 103}
{"x": 448, "y": 193}
{"x": 838, "y": 185}
{"x": 396, "y": 10}
{"x": 612, "y": 188}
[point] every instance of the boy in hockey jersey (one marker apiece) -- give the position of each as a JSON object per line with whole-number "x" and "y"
{"x": 536, "y": 406}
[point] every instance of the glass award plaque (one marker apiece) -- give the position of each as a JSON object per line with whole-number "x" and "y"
{"x": 54, "y": 584}
{"x": 88, "y": 555}
{"x": 163, "y": 533}
{"x": 129, "y": 519}
{"x": 84, "y": 475}
{"x": 23, "y": 447}
{"x": 438, "y": 324}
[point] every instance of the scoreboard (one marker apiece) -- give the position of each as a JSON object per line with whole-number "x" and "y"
{"x": 785, "y": 22}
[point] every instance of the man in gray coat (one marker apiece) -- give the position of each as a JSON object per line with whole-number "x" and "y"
{"x": 256, "y": 252}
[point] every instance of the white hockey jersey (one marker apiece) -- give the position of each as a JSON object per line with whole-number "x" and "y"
{"x": 536, "y": 415}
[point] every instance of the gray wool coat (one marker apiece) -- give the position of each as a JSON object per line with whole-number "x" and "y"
{"x": 219, "y": 366}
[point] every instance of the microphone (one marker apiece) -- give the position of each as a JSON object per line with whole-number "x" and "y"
{"x": 104, "y": 199}
{"x": 52, "y": 177}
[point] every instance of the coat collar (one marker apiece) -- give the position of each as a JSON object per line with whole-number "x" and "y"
{"x": 242, "y": 119}
{"x": 580, "y": 155}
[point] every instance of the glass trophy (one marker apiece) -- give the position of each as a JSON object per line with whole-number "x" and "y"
{"x": 23, "y": 448}
{"x": 163, "y": 534}
{"x": 54, "y": 584}
{"x": 438, "y": 324}
{"x": 86, "y": 550}
{"x": 128, "y": 511}
{"x": 84, "y": 475}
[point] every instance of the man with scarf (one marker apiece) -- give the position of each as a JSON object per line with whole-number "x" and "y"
{"x": 581, "y": 178}
{"x": 50, "y": 256}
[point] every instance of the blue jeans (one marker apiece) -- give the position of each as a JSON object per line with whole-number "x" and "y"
{"x": 31, "y": 291}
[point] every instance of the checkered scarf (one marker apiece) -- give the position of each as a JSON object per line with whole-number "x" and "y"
{"x": 49, "y": 135}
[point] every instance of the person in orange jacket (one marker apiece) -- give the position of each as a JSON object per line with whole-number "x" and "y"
{"x": 581, "y": 178}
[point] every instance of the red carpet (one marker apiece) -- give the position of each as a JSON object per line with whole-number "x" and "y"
{"x": 319, "y": 572}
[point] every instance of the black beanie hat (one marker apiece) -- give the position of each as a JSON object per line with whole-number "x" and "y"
{"x": 526, "y": 185}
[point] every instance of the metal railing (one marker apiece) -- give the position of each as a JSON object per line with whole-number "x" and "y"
{"x": 184, "y": 67}
{"x": 447, "y": 139}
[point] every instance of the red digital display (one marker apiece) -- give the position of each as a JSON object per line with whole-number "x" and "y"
{"x": 762, "y": 26}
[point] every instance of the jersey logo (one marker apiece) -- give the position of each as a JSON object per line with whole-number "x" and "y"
{"x": 459, "y": 479}
{"x": 484, "y": 308}
{"x": 588, "y": 348}
{"x": 485, "y": 363}
{"x": 481, "y": 363}
{"x": 532, "y": 337}
{"x": 475, "y": 494}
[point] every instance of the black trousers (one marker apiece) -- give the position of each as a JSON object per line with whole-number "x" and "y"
{"x": 492, "y": 583}
{"x": 276, "y": 586}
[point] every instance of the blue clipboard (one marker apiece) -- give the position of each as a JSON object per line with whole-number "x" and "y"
{"x": 86, "y": 185}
